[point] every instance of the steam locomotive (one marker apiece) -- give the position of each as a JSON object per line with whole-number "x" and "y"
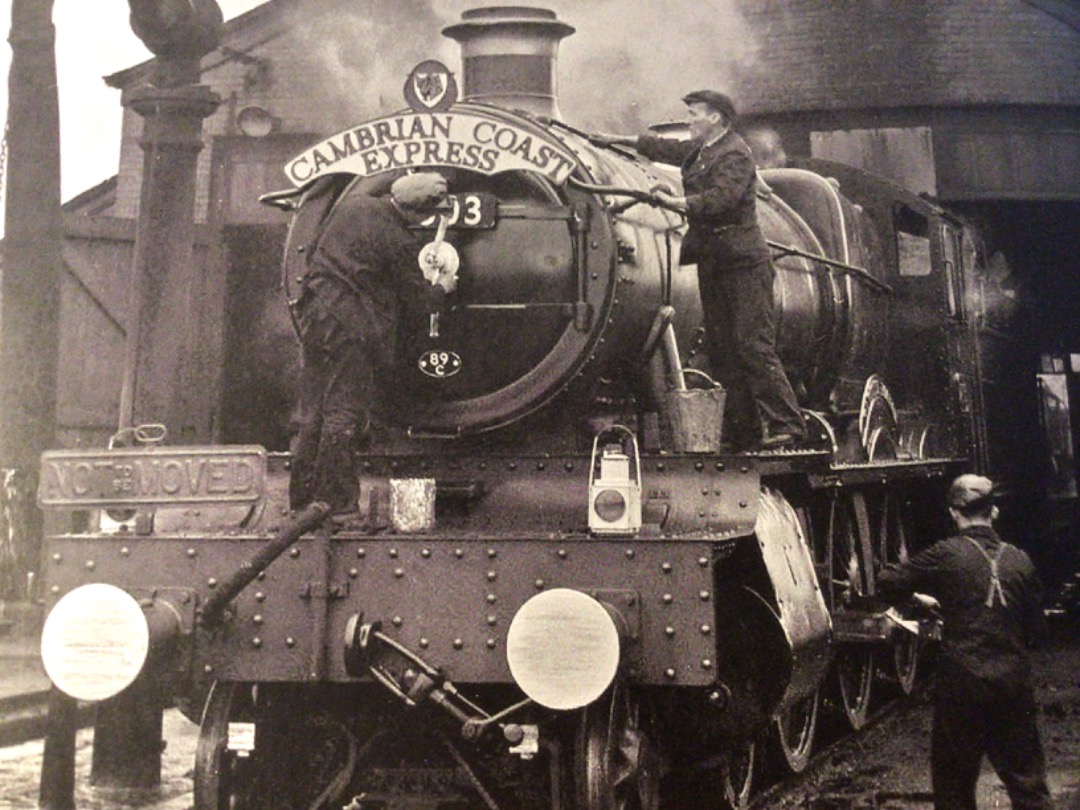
{"x": 567, "y": 592}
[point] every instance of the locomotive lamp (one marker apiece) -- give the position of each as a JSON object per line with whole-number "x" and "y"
{"x": 615, "y": 495}
{"x": 256, "y": 122}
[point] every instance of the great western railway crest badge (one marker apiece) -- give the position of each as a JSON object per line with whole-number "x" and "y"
{"x": 431, "y": 87}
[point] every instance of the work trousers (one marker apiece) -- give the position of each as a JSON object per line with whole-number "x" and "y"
{"x": 336, "y": 394}
{"x": 1002, "y": 726}
{"x": 740, "y": 328}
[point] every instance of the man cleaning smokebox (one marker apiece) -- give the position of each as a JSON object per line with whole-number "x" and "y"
{"x": 362, "y": 273}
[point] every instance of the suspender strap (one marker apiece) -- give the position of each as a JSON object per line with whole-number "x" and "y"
{"x": 995, "y": 583}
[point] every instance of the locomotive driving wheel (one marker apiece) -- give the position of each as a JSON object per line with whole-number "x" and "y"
{"x": 879, "y": 430}
{"x": 894, "y": 550}
{"x": 796, "y": 724}
{"x": 223, "y": 775}
{"x": 617, "y": 766}
{"x": 301, "y": 756}
{"x": 850, "y": 548}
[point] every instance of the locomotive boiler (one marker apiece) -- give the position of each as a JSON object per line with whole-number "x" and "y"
{"x": 567, "y": 592}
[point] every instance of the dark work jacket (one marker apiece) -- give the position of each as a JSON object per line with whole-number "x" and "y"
{"x": 720, "y": 184}
{"x": 364, "y": 272}
{"x": 983, "y": 647}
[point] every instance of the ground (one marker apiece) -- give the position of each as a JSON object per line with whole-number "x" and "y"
{"x": 888, "y": 766}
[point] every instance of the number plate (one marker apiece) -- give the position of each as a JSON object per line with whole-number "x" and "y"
{"x": 439, "y": 363}
{"x": 472, "y": 211}
{"x": 71, "y": 478}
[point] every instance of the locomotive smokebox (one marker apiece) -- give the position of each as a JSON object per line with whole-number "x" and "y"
{"x": 509, "y": 56}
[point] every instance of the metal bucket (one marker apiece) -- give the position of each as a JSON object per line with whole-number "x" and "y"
{"x": 697, "y": 416}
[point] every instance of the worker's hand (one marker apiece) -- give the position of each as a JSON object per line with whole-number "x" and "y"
{"x": 672, "y": 201}
{"x": 924, "y": 601}
{"x": 609, "y": 139}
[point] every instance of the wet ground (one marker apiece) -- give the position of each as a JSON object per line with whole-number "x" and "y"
{"x": 888, "y": 766}
{"x": 20, "y": 768}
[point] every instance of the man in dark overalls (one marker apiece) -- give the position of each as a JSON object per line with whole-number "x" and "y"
{"x": 735, "y": 272}
{"x": 984, "y": 703}
{"x": 363, "y": 271}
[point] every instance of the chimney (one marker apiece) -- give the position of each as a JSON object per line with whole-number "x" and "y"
{"x": 509, "y": 56}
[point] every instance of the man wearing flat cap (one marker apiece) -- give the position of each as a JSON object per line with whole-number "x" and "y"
{"x": 362, "y": 274}
{"x": 984, "y": 703}
{"x": 735, "y": 272}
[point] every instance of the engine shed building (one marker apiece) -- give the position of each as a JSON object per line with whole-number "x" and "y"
{"x": 975, "y": 102}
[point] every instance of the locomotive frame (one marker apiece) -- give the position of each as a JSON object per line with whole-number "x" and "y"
{"x": 583, "y": 655}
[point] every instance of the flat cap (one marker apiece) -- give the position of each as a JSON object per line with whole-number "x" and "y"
{"x": 423, "y": 191}
{"x": 970, "y": 491}
{"x": 718, "y": 101}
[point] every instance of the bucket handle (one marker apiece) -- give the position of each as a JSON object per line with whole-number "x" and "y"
{"x": 713, "y": 383}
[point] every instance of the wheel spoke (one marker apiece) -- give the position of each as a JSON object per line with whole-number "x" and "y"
{"x": 855, "y": 664}
{"x": 856, "y": 671}
{"x": 795, "y": 728}
{"x": 906, "y": 660}
{"x": 738, "y": 776}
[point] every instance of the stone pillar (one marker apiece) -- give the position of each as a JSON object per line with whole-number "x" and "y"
{"x": 128, "y": 738}
{"x": 160, "y": 348}
{"x": 161, "y": 331}
{"x": 57, "y": 787}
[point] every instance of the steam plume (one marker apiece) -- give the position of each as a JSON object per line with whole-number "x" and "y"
{"x": 625, "y": 68}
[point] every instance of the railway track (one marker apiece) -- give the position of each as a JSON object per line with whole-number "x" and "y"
{"x": 23, "y": 717}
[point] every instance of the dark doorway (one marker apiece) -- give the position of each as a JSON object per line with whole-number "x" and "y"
{"x": 262, "y": 355}
{"x": 1033, "y": 251}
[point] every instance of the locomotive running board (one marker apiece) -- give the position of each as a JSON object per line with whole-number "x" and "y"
{"x": 878, "y": 472}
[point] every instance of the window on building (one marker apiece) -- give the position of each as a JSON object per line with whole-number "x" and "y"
{"x": 1054, "y": 413}
{"x": 912, "y": 243}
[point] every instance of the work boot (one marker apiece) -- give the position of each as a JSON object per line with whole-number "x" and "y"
{"x": 777, "y": 441}
{"x": 349, "y": 521}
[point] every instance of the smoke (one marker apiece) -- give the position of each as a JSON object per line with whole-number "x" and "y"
{"x": 626, "y": 67}
{"x": 630, "y": 63}
{"x": 361, "y": 52}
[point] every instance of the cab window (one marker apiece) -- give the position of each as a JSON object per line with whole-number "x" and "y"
{"x": 912, "y": 243}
